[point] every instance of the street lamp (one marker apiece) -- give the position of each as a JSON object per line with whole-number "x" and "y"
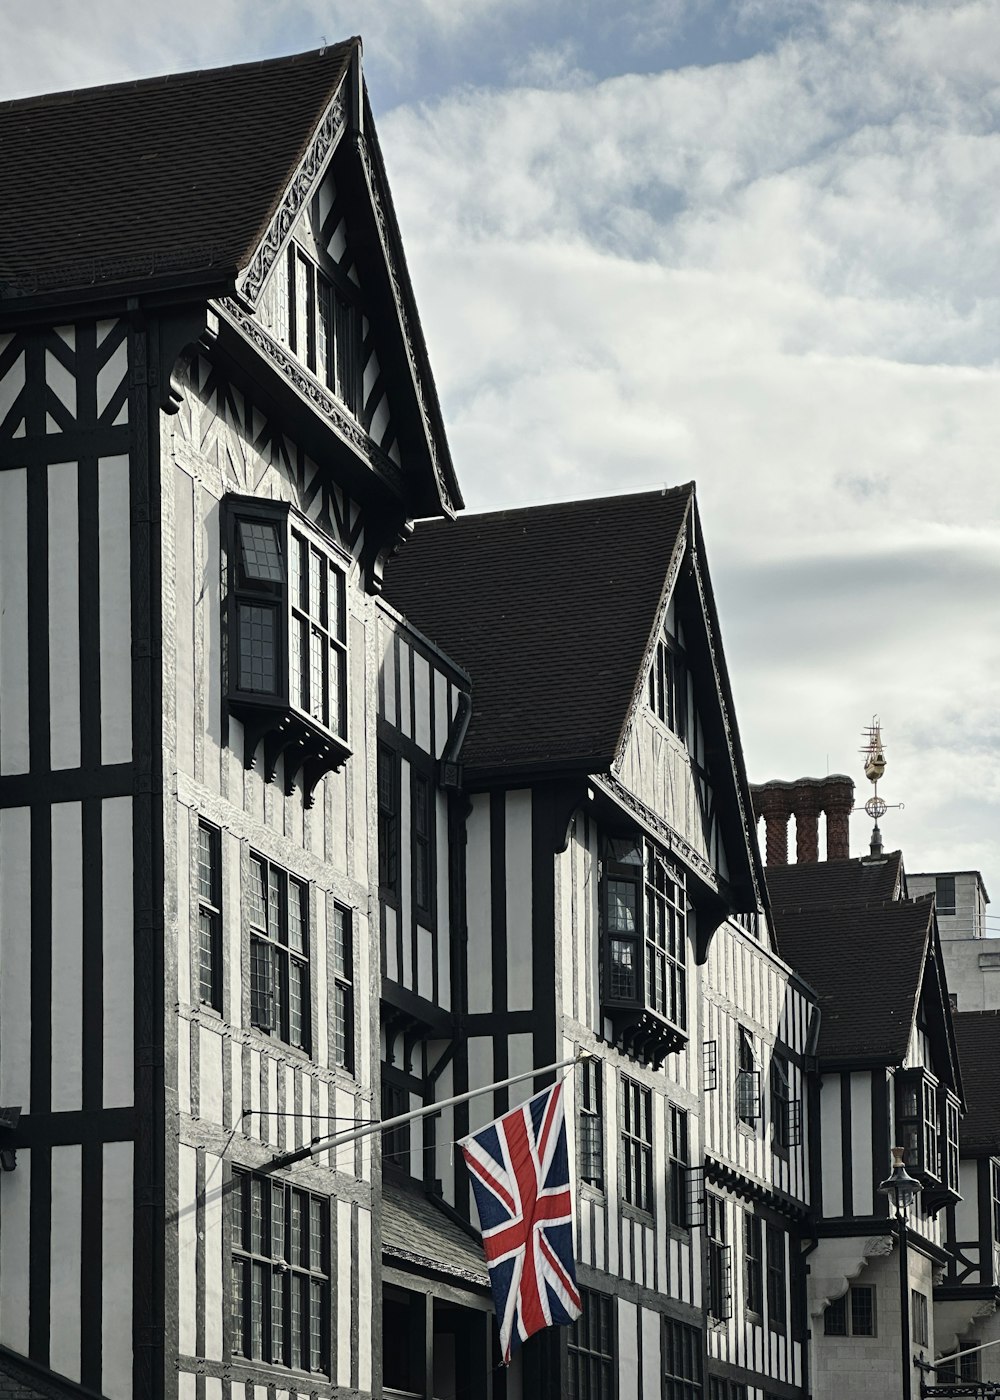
{"x": 902, "y": 1190}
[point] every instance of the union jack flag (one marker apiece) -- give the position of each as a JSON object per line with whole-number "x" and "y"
{"x": 519, "y": 1166}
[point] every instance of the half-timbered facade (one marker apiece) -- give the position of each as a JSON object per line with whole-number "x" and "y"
{"x": 216, "y": 420}
{"x": 888, "y": 1075}
{"x": 606, "y": 849}
{"x": 967, "y": 1298}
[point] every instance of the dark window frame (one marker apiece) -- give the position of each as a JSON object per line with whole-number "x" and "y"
{"x": 682, "y": 1353}
{"x": 331, "y": 344}
{"x": 209, "y": 906}
{"x": 636, "y": 1136}
{"x": 917, "y": 1126}
{"x": 423, "y": 826}
{"x": 919, "y": 1318}
{"x": 845, "y": 1316}
{"x": 592, "y": 1350}
{"x": 679, "y": 1160}
{"x": 748, "y": 1094}
{"x": 668, "y": 695}
{"x": 290, "y": 691}
{"x": 266, "y": 1275}
{"x": 390, "y": 824}
{"x": 753, "y": 1263}
{"x": 590, "y": 1124}
{"x": 720, "y": 1265}
{"x": 643, "y": 904}
{"x": 342, "y": 964}
{"x": 944, "y": 895}
{"x": 777, "y": 1279}
{"x": 274, "y": 955}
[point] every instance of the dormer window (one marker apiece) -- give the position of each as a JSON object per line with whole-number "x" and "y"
{"x": 927, "y": 1117}
{"x": 644, "y": 918}
{"x": 286, "y": 638}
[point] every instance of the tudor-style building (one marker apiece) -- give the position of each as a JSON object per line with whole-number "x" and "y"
{"x": 967, "y": 1301}
{"x": 888, "y": 1074}
{"x": 216, "y": 420}
{"x": 613, "y": 900}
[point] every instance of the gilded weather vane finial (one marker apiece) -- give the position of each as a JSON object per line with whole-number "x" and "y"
{"x": 874, "y": 753}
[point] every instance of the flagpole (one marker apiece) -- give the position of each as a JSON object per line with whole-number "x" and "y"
{"x": 380, "y": 1126}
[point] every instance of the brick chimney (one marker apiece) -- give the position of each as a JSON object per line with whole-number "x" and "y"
{"x": 805, "y": 799}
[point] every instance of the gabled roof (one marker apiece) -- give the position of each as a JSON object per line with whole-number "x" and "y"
{"x": 978, "y": 1036}
{"x": 834, "y": 884}
{"x": 174, "y": 174}
{"x": 190, "y": 185}
{"x": 550, "y": 609}
{"x": 866, "y": 964}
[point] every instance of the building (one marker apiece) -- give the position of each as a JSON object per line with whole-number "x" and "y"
{"x": 968, "y": 1297}
{"x": 280, "y": 853}
{"x": 973, "y": 965}
{"x": 216, "y": 420}
{"x": 613, "y": 900}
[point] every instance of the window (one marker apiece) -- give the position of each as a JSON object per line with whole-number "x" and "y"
{"x": 644, "y": 908}
{"x": 852, "y": 1315}
{"x": 423, "y": 844}
{"x": 753, "y": 1252}
{"x": 779, "y": 1102}
{"x": 591, "y": 1350}
{"x": 995, "y": 1188}
{"x": 720, "y": 1273}
{"x": 678, "y": 1153}
{"x": 287, "y": 635}
{"x": 668, "y": 686}
{"x": 388, "y": 820}
{"x": 395, "y": 1141}
{"x": 682, "y": 1350}
{"x": 210, "y": 915}
{"x": 721, "y": 1389}
{"x": 963, "y": 1368}
{"x": 278, "y": 915}
{"x": 280, "y": 1274}
{"x": 948, "y": 1153}
{"x": 591, "y": 1125}
{"x": 919, "y": 1313}
{"x": 637, "y": 1145}
{"x": 709, "y": 1065}
{"x": 343, "y": 988}
{"x": 777, "y": 1280}
{"x": 747, "y": 1081}
{"x": 944, "y": 894}
{"x": 324, "y": 329}
{"x": 917, "y": 1120}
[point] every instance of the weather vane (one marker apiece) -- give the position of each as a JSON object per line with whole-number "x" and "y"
{"x": 874, "y": 754}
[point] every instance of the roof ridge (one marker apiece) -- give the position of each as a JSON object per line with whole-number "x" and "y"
{"x": 67, "y": 96}
{"x": 659, "y": 492}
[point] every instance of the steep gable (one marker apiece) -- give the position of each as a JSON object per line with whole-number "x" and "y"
{"x": 194, "y": 187}
{"x": 172, "y": 175}
{"x": 549, "y": 608}
{"x": 556, "y": 611}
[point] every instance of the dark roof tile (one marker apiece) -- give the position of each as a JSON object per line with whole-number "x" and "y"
{"x": 178, "y": 173}
{"x": 978, "y": 1037}
{"x": 550, "y": 609}
{"x": 865, "y": 962}
{"x": 415, "y": 1231}
{"x": 834, "y": 884}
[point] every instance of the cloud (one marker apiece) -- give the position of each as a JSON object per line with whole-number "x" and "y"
{"x": 774, "y": 276}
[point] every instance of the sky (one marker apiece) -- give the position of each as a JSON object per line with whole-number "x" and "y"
{"x": 753, "y": 244}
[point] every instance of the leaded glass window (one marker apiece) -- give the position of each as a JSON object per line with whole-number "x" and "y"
{"x": 277, "y": 910}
